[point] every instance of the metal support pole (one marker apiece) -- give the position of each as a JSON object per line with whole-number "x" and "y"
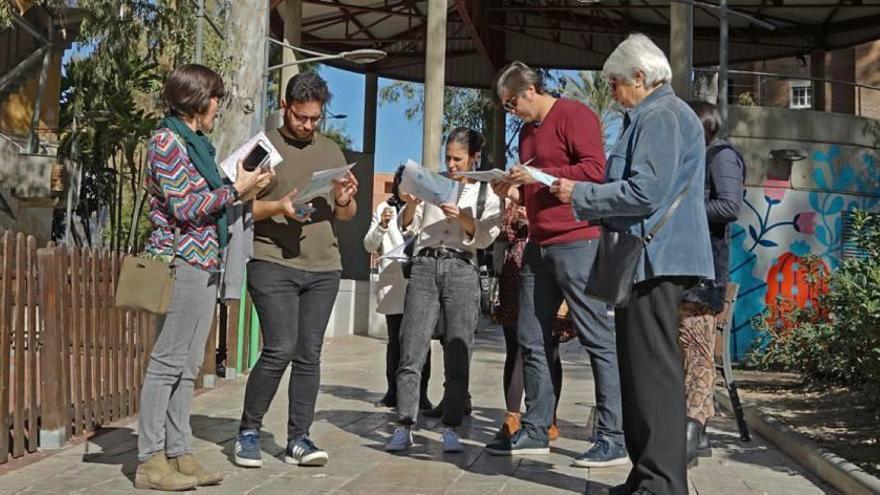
{"x": 371, "y": 91}
{"x": 200, "y": 33}
{"x": 722, "y": 69}
{"x": 435, "y": 71}
{"x": 33, "y": 142}
{"x": 681, "y": 36}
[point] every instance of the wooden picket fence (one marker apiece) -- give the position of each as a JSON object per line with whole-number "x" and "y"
{"x": 69, "y": 359}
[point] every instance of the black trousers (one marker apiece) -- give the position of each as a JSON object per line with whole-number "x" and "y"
{"x": 652, "y": 385}
{"x": 392, "y": 361}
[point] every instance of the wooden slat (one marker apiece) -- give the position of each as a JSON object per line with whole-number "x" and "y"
{"x": 116, "y": 328}
{"x": 134, "y": 340}
{"x": 76, "y": 339}
{"x": 63, "y": 335}
{"x": 19, "y": 356}
{"x": 111, "y": 413}
{"x": 31, "y": 296}
{"x": 88, "y": 332}
{"x": 52, "y": 408}
{"x": 6, "y": 264}
{"x": 101, "y": 334}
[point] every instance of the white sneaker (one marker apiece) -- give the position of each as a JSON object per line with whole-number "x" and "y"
{"x": 401, "y": 440}
{"x": 451, "y": 443}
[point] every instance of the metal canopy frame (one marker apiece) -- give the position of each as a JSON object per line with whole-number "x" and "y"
{"x": 484, "y": 34}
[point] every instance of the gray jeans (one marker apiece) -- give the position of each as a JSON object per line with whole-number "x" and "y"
{"x": 450, "y": 287}
{"x": 177, "y": 356}
{"x": 548, "y": 274}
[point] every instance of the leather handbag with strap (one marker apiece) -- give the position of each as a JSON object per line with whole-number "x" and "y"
{"x": 617, "y": 257}
{"x": 146, "y": 284}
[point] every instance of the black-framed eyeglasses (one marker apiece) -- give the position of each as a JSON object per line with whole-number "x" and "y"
{"x": 510, "y": 104}
{"x": 315, "y": 119}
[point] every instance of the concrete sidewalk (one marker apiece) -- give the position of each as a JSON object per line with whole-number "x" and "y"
{"x": 353, "y": 431}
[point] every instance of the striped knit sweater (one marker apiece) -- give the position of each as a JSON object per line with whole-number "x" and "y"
{"x": 180, "y": 198}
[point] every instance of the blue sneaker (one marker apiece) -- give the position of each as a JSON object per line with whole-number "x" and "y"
{"x": 401, "y": 440}
{"x": 603, "y": 453}
{"x": 519, "y": 444}
{"x": 302, "y": 451}
{"x": 451, "y": 443}
{"x": 247, "y": 449}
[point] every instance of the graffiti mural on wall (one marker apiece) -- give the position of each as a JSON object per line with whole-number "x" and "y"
{"x": 778, "y": 227}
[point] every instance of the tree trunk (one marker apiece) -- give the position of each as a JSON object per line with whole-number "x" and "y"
{"x": 245, "y": 42}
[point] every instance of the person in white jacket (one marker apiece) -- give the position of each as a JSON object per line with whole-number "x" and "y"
{"x": 385, "y": 235}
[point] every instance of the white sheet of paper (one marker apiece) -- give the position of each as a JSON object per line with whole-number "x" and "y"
{"x": 485, "y": 175}
{"x": 230, "y": 163}
{"x": 428, "y": 186}
{"x": 321, "y": 183}
{"x": 398, "y": 252}
{"x": 541, "y": 177}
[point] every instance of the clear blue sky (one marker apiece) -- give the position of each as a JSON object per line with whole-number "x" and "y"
{"x": 397, "y": 138}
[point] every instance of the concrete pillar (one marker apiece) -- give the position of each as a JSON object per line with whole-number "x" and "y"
{"x": 435, "y": 72}
{"x": 817, "y": 70}
{"x": 499, "y": 138}
{"x": 681, "y": 53}
{"x": 291, "y": 13}
{"x": 842, "y": 67}
{"x": 371, "y": 102}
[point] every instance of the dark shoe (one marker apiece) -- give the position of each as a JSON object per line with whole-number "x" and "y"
{"x": 247, "y": 449}
{"x": 303, "y": 452}
{"x": 611, "y": 490}
{"x": 389, "y": 400}
{"x": 704, "y": 449}
{"x": 519, "y": 444}
{"x": 437, "y": 411}
{"x": 693, "y": 430}
{"x": 603, "y": 453}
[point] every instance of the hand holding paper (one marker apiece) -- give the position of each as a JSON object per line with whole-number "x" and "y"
{"x": 322, "y": 183}
{"x": 428, "y": 186}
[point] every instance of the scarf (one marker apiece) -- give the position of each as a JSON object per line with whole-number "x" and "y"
{"x": 202, "y": 155}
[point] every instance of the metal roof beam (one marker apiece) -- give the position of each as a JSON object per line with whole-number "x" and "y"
{"x": 462, "y": 6}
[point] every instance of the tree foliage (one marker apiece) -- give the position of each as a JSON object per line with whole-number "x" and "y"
{"x": 594, "y": 91}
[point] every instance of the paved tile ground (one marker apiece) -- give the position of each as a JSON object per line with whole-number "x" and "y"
{"x": 353, "y": 430}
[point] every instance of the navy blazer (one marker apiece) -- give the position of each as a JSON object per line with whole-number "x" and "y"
{"x": 661, "y": 150}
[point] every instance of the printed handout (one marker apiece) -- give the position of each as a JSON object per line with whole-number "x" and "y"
{"x": 321, "y": 183}
{"x": 428, "y": 186}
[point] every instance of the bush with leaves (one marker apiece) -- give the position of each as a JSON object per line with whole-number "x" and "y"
{"x": 838, "y": 340}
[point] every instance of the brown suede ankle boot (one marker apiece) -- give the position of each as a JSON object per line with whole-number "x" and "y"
{"x": 510, "y": 426}
{"x": 188, "y": 464}
{"x": 156, "y": 474}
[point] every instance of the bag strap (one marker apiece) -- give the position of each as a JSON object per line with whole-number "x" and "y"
{"x": 481, "y": 199}
{"x": 648, "y": 238}
{"x": 174, "y": 246}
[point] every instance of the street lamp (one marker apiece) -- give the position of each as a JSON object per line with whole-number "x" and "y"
{"x": 359, "y": 56}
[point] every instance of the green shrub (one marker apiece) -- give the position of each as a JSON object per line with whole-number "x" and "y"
{"x": 838, "y": 340}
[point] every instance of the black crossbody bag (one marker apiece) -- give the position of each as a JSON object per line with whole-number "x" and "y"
{"x": 614, "y": 269}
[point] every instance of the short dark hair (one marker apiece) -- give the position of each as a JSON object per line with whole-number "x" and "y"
{"x": 472, "y": 140}
{"x": 395, "y": 185}
{"x": 517, "y": 77}
{"x": 307, "y": 87}
{"x": 709, "y": 117}
{"x": 189, "y": 89}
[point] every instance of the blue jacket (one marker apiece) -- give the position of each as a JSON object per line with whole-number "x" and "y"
{"x": 661, "y": 150}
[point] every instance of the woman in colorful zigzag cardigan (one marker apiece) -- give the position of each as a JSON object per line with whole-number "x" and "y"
{"x": 188, "y": 199}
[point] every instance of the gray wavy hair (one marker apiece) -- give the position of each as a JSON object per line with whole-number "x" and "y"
{"x": 638, "y": 53}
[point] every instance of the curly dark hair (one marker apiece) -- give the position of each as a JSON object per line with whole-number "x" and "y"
{"x": 307, "y": 87}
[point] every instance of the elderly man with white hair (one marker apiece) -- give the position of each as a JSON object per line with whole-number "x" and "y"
{"x": 653, "y": 189}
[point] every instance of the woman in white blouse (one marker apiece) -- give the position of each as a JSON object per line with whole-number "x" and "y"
{"x": 444, "y": 280}
{"x": 385, "y": 235}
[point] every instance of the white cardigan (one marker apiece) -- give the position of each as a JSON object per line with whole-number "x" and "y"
{"x": 391, "y": 287}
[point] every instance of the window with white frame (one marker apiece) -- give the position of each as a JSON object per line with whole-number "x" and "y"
{"x": 801, "y": 94}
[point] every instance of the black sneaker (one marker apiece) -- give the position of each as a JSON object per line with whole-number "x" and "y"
{"x": 519, "y": 444}
{"x": 302, "y": 451}
{"x": 603, "y": 453}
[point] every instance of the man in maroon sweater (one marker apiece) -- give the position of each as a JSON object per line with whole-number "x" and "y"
{"x": 562, "y": 138}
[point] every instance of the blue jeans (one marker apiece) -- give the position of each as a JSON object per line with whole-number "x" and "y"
{"x": 450, "y": 287}
{"x": 548, "y": 274}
